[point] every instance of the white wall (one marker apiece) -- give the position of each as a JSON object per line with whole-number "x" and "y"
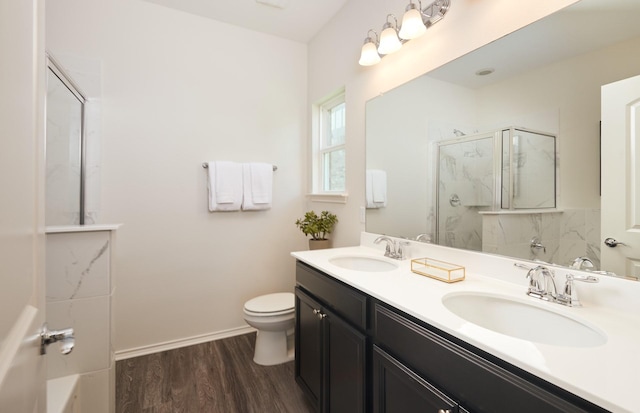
{"x": 174, "y": 95}
{"x": 333, "y": 63}
{"x": 178, "y": 90}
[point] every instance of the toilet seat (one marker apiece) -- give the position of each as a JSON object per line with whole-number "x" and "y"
{"x": 270, "y": 304}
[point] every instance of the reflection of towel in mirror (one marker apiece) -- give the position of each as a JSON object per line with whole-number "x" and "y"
{"x": 258, "y": 186}
{"x": 225, "y": 186}
{"x": 376, "y": 188}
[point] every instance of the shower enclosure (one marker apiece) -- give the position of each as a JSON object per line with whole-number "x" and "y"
{"x": 507, "y": 170}
{"x": 64, "y": 149}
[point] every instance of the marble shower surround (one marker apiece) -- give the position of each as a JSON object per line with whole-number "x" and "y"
{"x": 566, "y": 235}
{"x": 79, "y": 295}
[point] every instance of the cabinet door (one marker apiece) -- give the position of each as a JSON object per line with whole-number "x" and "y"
{"x": 474, "y": 381}
{"x": 398, "y": 389}
{"x": 346, "y": 359}
{"x": 309, "y": 347}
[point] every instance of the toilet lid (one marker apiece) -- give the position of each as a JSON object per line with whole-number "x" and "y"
{"x": 271, "y": 303}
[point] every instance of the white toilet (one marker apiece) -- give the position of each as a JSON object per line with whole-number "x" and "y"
{"x": 273, "y": 316}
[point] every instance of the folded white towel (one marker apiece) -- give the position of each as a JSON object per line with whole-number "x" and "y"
{"x": 258, "y": 186}
{"x": 376, "y": 188}
{"x": 224, "y": 185}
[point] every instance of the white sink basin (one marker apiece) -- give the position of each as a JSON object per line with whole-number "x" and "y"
{"x": 522, "y": 319}
{"x": 363, "y": 263}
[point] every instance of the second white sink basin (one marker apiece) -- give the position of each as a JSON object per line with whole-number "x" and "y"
{"x": 363, "y": 263}
{"x": 524, "y": 320}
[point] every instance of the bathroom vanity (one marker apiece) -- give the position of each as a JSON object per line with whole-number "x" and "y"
{"x": 382, "y": 341}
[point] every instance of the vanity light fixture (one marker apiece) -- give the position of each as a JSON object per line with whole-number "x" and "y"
{"x": 369, "y": 55}
{"x": 389, "y": 41}
{"x": 415, "y": 22}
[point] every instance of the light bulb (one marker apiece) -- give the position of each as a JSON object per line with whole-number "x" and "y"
{"x": 389, "y": 41}
{"x": 369, "y": 55}
{"x": 412, "y": 24}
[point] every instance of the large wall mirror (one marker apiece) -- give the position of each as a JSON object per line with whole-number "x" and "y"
{"x": 528, "y": 103}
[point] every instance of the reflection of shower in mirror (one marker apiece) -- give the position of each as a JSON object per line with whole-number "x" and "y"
{"x": 499, "y": 171}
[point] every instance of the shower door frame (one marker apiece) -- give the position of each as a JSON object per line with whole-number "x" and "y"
{"x": 61, "y": 74}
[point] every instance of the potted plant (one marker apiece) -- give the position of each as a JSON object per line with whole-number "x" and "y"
{"x": 318, "y": 227}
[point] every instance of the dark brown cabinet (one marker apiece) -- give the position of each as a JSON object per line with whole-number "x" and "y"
{"x": 330, "y": 351}
{"x": 357, "y": 354}
{"x": 473, "y": 381}
{"x": 398, "y": 389}
{"x": 309, "y": 347}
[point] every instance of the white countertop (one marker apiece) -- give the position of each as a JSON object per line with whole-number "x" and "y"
{"x": 81, "y": 228}
{"x": 607, "y": 375}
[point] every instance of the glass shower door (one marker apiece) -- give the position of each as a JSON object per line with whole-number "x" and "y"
{"x": 64, "y": 166}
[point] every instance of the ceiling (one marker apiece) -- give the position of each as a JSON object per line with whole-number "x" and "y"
{"x": 297, "y": 20}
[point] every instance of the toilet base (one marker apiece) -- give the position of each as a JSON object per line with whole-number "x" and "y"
{"x": 272, "y": 347}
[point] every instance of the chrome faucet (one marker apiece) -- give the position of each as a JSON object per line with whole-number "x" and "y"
{"x": 542, "y": 285}
{"x": 536, "y": 244}
{"x": 424, "y": 238}
{"x": 582, "y": 263}
{"x": 394, "y": 250}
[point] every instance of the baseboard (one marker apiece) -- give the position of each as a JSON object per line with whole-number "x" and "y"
{"x": 183, "y": 342}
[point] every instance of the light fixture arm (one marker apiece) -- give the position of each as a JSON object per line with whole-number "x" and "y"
{"x": 412, "y": 5}
{"x": 369, "y": 39}
{"x": 388, "y": 24}
{"x": 434, "y": 12}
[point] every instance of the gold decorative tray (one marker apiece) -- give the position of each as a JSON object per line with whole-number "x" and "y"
{"x": 440, "y": 270}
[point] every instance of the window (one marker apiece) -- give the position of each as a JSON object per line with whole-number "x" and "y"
{"x": 329, "y": 161}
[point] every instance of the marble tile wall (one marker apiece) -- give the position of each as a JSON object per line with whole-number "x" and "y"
{"x": 79, "y": 295}
{"x": 465, "y": 186}
{"x": 565, "y": 235}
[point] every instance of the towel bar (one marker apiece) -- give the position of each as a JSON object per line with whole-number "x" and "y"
{"x": 206, "y": 165}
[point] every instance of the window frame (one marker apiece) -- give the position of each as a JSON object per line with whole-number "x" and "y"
{"x": 320, "y": 122}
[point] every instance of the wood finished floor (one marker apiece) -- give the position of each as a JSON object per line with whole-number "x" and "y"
{"x": 217, "y": 377}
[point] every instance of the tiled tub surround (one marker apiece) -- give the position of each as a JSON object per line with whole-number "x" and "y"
{"x": 79, "y": 295}
{"x": 605, "y": 375}
{"x": 566, "y": 234}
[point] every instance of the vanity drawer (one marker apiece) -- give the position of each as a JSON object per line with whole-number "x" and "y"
{"x": 340, "y": 298}
{"x": 475, "y": 382}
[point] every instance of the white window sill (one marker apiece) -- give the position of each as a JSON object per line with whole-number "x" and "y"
{"x": 337, "y": 198}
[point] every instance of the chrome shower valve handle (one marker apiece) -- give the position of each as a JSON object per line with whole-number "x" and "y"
{"x": 64, "y": 336}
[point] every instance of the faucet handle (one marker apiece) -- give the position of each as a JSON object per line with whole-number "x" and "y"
{"x": 401, "y": 249}
{"x": 569, "y": 296}
{"x": 584, "y": 278}
{"x": 64, "y": 336}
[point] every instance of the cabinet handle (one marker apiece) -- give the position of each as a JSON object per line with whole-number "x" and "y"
{"x": 319, "y": 314}
{"x": 444, "y": 411}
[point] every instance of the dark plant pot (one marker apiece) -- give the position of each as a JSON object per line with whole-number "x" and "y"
{"x": 318, "y": 244}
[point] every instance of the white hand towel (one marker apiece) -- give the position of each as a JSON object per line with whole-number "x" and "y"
{"x": 368, "y": 189}
{"x": 376, "y": 189}
{"x": 258, "y": 186}
{"x": 225, "y": 186}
